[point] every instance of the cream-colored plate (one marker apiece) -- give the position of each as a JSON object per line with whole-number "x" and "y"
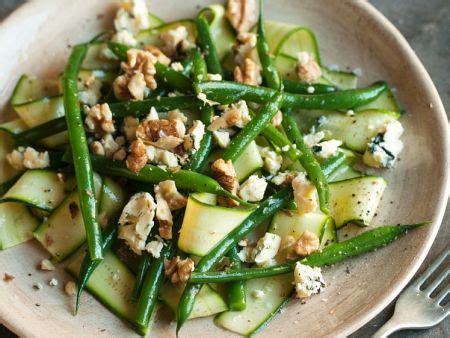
{"x": 36, "y": 39}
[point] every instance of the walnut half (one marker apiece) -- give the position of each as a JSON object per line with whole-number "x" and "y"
{"x": 241, "y": 14}
{"x": 178, "y": 270}
{"x": 224, "y": 173}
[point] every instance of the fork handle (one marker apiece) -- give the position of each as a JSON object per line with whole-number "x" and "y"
{"x": 388, "y": 328}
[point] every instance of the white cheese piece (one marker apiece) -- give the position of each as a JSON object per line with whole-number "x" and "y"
{"x": 308, "y": 280}
{"x": 313, "y": 138}
{"x": 177, "y": 66}
{"x": 272, "y": 160}
{"x": 266, "y": 249}
{"x": 214, "y": 77}
{"x": 253, "y": 189}
{"x": 53, "y": 282}
{"x": 136, "y": 221}
{"x": 197, "y": 131}
{"x": 327, "y": 149}
{"x": 305, "y": 194}
{"x": 154, "y": 248}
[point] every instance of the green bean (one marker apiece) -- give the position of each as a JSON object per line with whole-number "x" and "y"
{"x": 297, "y": 87}
{"x": 200, "y": 69}
{"x": 271, "y": 76}
{"x": 308, "y": 161}
{"x": 226, "y": 92}
{"x": 187, "y": 64}
{"x": 154, "y": 279}
{"x": 172, "y": 79}
{"x": 41, "y": 131}
{"x": 80, "y": 151}
{"x": 331, "y": 164}
{"x": 184, "y": 179}
{"x": 262, "y": 212}
{"x": 366, "y": 242}
{"x": 141, "y": 108}
{"x": 206, "y": 43}
{"x": 280, "y": 140}
{"x": 119, "y": 49}
{"x": 198, "y": 159}
{"x": 253, "y": 128}
{"x": 236, "y": 290}
{"x": 144, "y": 264}
{"x": 88, "y": 266}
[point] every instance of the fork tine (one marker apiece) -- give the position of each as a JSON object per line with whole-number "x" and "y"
{"x": 442, "y": 294}
{"x": 429, "y": 290}
{"x": 426, "y": 274}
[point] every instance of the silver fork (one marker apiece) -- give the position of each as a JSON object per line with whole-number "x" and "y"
{"x": 415, "y": 309}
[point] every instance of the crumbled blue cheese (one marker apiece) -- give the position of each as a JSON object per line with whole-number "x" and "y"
{"x": 305, "y": 194}
{"x": 222, "y": 137}
{"x": 253, "y": 189}
{"x": 272, "y": 160}
{"x": 136, "y": 221}
{"x": 123, "y": 37}
{"x": 154, "y": 248}
{"x": 327, "y": 149}
{"x": 384, "y": 148}
{"x": 266, "y": 249}
{"x": 132, "y": 16}
{"x": 313, "y": 138}
{"x": 284, "y": 177}
{"x": 196, "y": 133}
{"x": 234, "y": 115}
{"x": 308, "y": 280}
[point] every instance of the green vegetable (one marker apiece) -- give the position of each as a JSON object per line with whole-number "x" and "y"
{"x": 297, "y": 87}
{"x": 200, "y": 69}
{"x": 119, "y": 49}
{"x": 88, "y": 265}
{"x": 5, "y": 186}
{"x": 264, "y": 210}
{"x": 80, "y": 151}
{"x": 41, "y": 131}
{"x": 280, "y": 140}
{"x": 308, "y": 161}
{"x": 331, "y": 164}
{"x": 271, "y": 76}
{"x": 226, "y": 92}
{"x": 334, "y": 253}
{"x": 206, "y": 43}
{"x": 236, "y": 291}
{"x": 154, "y": 279}
{"x": 172, "y": 79}
{"x": 184, "y": 179}
{"x": 253, "y": 128}
{"x": 144, "y": 264}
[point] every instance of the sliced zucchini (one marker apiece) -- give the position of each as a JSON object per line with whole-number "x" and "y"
{"x": 300, "y": 39}
{"x": 205, "y": 225}
{"x": 30, "y": 88}
{"x": 94, "y": 59}
{"x": 86, "y": 75}
{"x": 6, "y": 146}
{"x": 154, "y": 21}
{"x": 344, "y": 172}
{"x": 355, "y": 200}
{"x": 13, "y": 127}
{"x": 63, "y": 231}
{"x": 248, "y": 162}
{"x": 338, "y": 78}
{"x": 205, "y": 197}
{"x": 207, "y": 303}
{"x": 386, "y": 101}
{"x": 356, "y": 131}
{"x": 287, "y": 222}
{"x": 258, "y": 311}
{"x": 111, "y": 283}
{"x": 39, "y": 188}
{"x": 16, "y": 224}
{"x": 275, "y": 32}
{"x": 223, "y": 36}
{"x": 113, "y": 197}
{"x": 151, "y": 36}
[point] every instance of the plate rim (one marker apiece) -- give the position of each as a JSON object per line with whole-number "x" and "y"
{"x": 384, "y": 25}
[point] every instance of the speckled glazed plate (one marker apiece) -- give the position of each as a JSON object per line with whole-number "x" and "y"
{"x": 36, "y": 39}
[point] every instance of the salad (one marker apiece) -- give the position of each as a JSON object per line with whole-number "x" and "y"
{"x": 205, "y": 165}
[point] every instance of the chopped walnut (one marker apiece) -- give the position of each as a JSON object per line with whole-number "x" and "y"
{"x": 304, "y": 194}
{"x": 308, "y": 69}
{"x": 129, "y": 127}
{"x": 176, "y": 114}
{"x": 307, "y": 244}
{"x": 28, "y": 158}
{"x": 99, "y": 119}
{"x": 163, "y": 215}
{"x": 241, "y": 14}
{"x": 249, "y": 73}
{"x": 284, "y": 178}
{"x": 137, "y": 159}
{"x": 175, "y": 39}
{"x": 178, "y": 270}
{"x": 277, "y": 119}
{"x": 169, "y": 192}
{"x": 161, "y": 157}
{"x": 224, "y": 173}
{"x": 139, "y": 74}
{"x": 109, "y": 147}
{"x": 160, "y": 133}
{"x": 235, "y": 115}
{"x": 245, "y": 48}
{"x": 70, "y": 288}
{"x": 195, "y": 136}
{"x": 160, "y": 56}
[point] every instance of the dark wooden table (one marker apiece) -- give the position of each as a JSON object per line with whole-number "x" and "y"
{"x": 426, "y": 25}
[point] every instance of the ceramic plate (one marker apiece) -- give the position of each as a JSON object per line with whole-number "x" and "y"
{"x": 37, "y": 38}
